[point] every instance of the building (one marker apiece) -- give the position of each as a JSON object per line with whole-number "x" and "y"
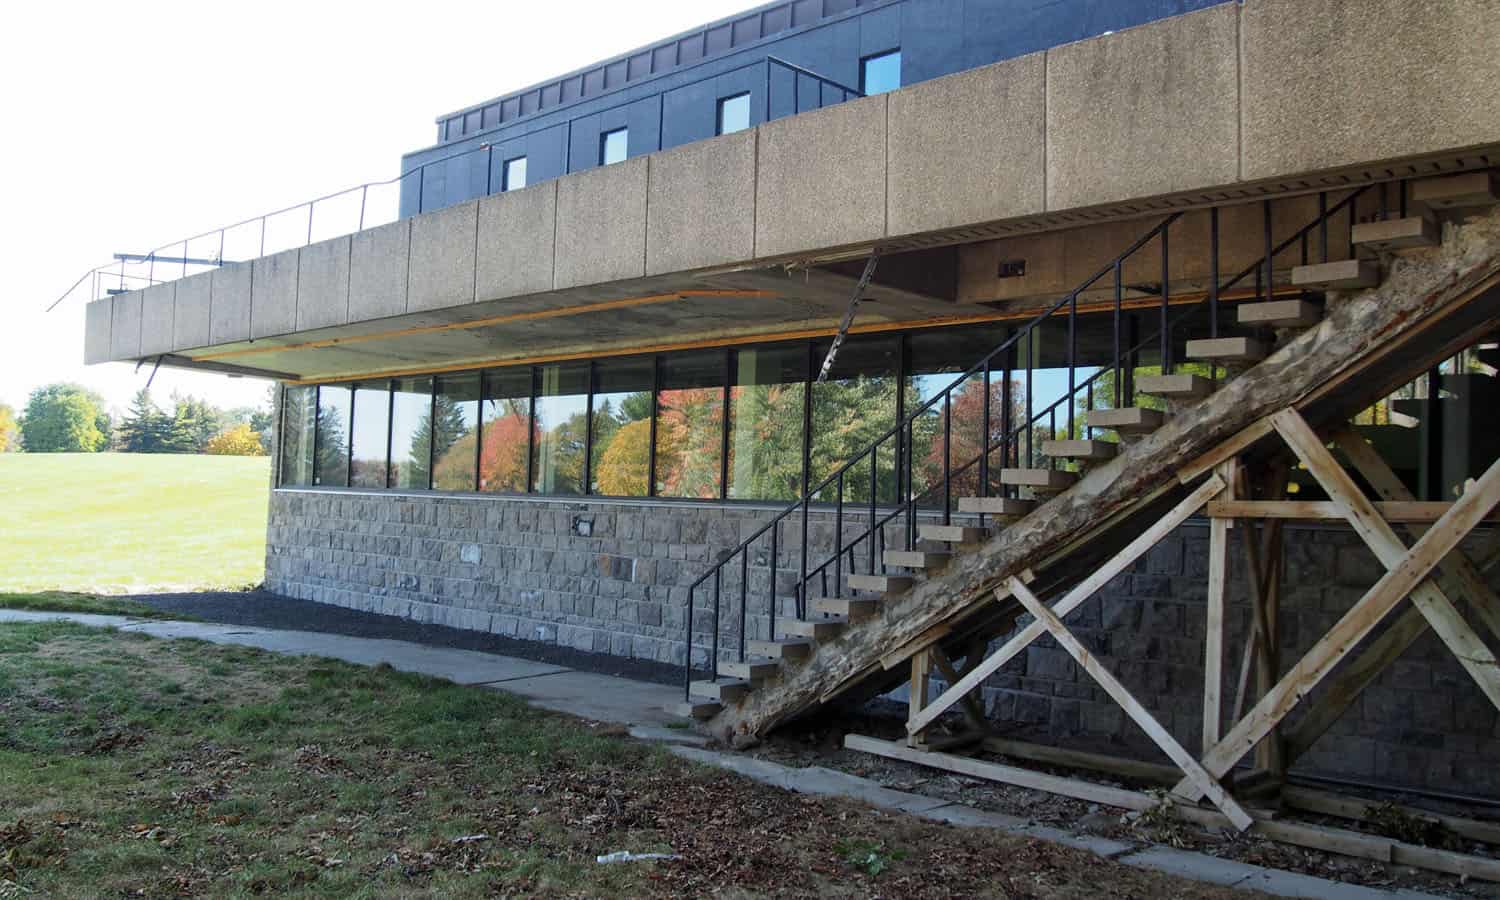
{"x": 576, "y": 392}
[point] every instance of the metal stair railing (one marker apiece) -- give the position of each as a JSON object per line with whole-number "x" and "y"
{"x": 211, "y": 244}
{"x": 1010, "y": 439}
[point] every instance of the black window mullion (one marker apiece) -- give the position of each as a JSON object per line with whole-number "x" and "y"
{"x": 651, "y": 450}
{"x": 536, "y": 375}
{"x": 729, "y": 356}
{"x": 807, "y": 400}
{"x": 349, "y": 443}
{"x": 432, "y": 433}
{"x": 588, "y": 433}
{"x": 313, "y": 479}
{"x": 479, "y": 434}
{"x": 390, "y": 423}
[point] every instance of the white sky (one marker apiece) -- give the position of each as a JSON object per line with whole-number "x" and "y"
{"x": 131, "y": 125}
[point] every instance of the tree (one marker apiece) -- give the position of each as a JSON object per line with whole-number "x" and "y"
{"x": 237, "y": 440}
{"x": 145, "y": 428}
{"x": 10, "y": 430}
{"x": 502, "y": 457}
{"x": 194, "y": 424}
{"x": 622, "y": 469}
{"x": 65, "y": 418}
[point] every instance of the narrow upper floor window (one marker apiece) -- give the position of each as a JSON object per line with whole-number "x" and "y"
{"x": 515, "y": 174}
{"x": 880, "y": 73}
{"x": 613, "y": 145}
{"x": 734, "y": 113}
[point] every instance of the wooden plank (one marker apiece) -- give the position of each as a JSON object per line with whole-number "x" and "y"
{"x": 1137, "y": 713}
{"x": 916, "y": 696}
{"x": 1357, "y": 808}
{"x": 902, "y": 654}
{"x": 1080, "y": 759}
{"x": 1230, "y": 448}
{"x": 963, "y": 765}
{"x": 1218, "y": 585}
{"x": 1071, "y": 601}
{"x": 1325, "y": 510}
{"x": 973, "y": 712}
{"x": 1354, "y": 626}
{"x": 1381, "y": 538}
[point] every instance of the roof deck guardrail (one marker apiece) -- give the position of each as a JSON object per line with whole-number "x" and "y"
{"x": 372, "y": 203}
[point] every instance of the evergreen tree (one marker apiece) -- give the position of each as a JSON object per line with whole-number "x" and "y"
{"x": 145, "y": 428}
{"x": 194, "y": 424}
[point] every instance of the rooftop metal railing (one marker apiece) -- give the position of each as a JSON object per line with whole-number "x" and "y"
{"x": 378, "y": 202}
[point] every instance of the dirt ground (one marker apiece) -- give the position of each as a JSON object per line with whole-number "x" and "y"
{"x": 820, "y": 743}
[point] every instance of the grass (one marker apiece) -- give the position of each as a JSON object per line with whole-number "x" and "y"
{"x": 137, "y": 767}
{"x": 114, "y": 523}
{"x": 62, "y": 601}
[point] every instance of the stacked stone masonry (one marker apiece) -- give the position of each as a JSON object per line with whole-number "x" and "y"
{"x": 613, "y": 578}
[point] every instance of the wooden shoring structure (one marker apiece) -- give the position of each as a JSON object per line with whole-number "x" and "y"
{"x": 1432, "y": 571}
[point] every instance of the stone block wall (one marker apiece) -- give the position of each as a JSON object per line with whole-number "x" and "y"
{"x": 613, "y": 577}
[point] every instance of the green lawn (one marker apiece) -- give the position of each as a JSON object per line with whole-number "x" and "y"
{"x": 118, "y": 523}
{"x": 131, "y": 766}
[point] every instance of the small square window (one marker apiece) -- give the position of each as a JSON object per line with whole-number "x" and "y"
{"x": 515, "y": 174}
{"x": 734, "y": 113}
{"x": 880, "y": 73}
{"x": 613, "y": 146}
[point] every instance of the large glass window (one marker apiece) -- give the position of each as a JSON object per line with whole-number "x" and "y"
{"x": 936, "y": 360}
{"x": 455, "y": 433}
{"x": 411, "y": 433}
{"x": 561, "y": 421}
{"x": 299, "y": 418}
{"x": 372, "y": 411}
{"x": 505, "y": 431}
{"x": 515, "y": 174}
{"x": 332, "y": 465}
{"x": 853, "y": 407}
{"x": 621, "y": 440}
{"x": 614, "y": 146}
{"x": 765, "y": 423}
{"x": 734, "y": 113}
{"x": 690, "y": 424}
{"x": 880, "y": 73}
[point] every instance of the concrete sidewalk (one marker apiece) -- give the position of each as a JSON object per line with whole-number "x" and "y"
{"x": 642, "y": 706}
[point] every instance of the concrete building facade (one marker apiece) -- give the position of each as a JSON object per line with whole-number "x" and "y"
{"x": 582, "y": 372}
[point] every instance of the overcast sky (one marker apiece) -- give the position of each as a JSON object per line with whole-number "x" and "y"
{"x": 131, "y": 125}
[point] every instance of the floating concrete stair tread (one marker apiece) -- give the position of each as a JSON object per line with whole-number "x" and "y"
{"x": 1040, "y": 479}
{"x": 958, "y": 534}
{"x": 1458, "y": 191}
{"x": 1091, "y": 450}
{"x": 881, "y": 584}
{"x": 750, "y": 670}
{"x": 789, "y": 648}
{"x": 1127, "y": 419}
{"x": 696, "y": 709}
{"x": 1227, "y": 349}
{"x": 1001, "y": 507}
{"x": 1281, "y": 314}
{"x": 917, "y": 559}
{"x": 1183, "y": 386}
{"x": 816, "y": 629}
{"x": 723, "y": 690}
{"x": 1398, "y": 234}
{"x": 850, "y": 607}
{"x": 1339, "y": 275}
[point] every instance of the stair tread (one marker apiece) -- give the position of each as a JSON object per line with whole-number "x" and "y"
{"x": 1046, "y": 479}
{"x": 1281, "y": 314}
{"x": 1338, "y": 275}
{"x": 882, "y": 583}
{"x": 723, "y": 689}
{"x": 1177, "y": 385}
{"x": 786, "y": 648}
{"x": 994, "y": 506}
{"x": 955, "y": 534}
{"x": 1458, "y": 191}
{"x": 1226, "y": 349}
{"x": 1080, "y": 449}
{"x": 845, "y": 606}
{"x": 1127, "y": 419}
{"x": 1398, "y": 234}
{"x": 696, "y": 709}
{"x": 917, "y": 559}
{"x": 815, "y": 629}
{"x": 750, "y": 669}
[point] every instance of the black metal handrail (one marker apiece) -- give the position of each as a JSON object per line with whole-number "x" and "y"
{"x": 902, "y": 435}
{"x": 114, "y": 271}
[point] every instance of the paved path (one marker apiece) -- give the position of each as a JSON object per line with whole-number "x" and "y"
{"x": 642, "y": 707}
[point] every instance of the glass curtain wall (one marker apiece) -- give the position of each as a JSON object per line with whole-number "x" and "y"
{"x": 331, "y": 468}
{"x": 411, "y": 433}
{"x": 765, "y": 422}
{"x": 855, "y": 405}
{"x": 506, "y": 432}
{"x": 690, "y": 425}
{"x": 620, "y": 436}
{"x": 562, "y": 394}
{"x": 455, "y": 433}
{"x": 299, "y": 411}
{"x": 372, "y": 415}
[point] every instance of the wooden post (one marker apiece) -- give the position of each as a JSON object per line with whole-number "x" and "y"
{"x": 921, "y": 676}
{"x": 1218, "y": 585}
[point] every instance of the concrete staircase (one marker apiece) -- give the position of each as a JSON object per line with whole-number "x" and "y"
{"x": 841, "y": 645}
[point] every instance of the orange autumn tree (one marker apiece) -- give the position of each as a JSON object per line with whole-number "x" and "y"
{"x": 502, "y": 458}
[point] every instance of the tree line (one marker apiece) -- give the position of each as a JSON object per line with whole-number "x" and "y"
{"x": 69, "y": 418}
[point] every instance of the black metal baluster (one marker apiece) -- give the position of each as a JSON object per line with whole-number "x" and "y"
{"x": 713, "y": 658}
{"x": 1119, "y": 321}
{"x": 838, "y": 538}
{"x": 687, "y": 660}
{"x": 874, "y": 513}
{"x": 1072, "y": 361}
{"x": 774, "y": 605}
{"x": 947, "y": 460}
{"x": 984, "y": 444}
{"x": 744, "y": 596}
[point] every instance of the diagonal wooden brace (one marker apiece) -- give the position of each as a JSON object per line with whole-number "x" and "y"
{"x": 1074, "y": 598}
{"x": 1399, "y": 581}
{"x": 1382, "y": 540}
{"x": 1138, "y": 714}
